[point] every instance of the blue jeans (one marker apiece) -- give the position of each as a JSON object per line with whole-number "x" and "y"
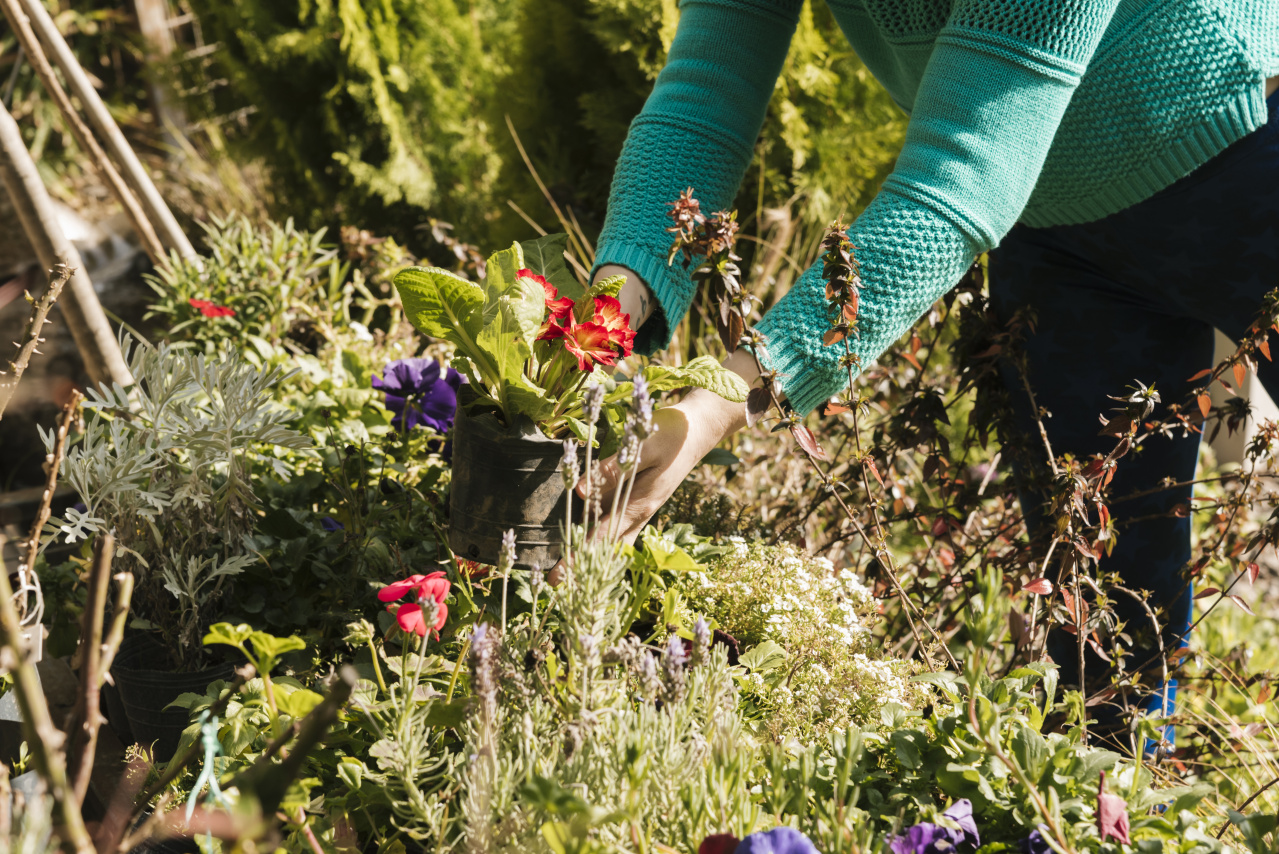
{"x": 1135, "y": 296}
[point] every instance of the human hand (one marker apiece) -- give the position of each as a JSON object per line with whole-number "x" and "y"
{"x": 686, "y": 432}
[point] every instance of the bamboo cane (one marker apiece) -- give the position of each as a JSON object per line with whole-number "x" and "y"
{"x": 84, "y": 137}
{"x": 93, "y": 336}
{"x": 157, "y": 211}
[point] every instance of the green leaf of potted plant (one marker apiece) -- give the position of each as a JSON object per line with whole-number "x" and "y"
{"x": 531, "y": 341}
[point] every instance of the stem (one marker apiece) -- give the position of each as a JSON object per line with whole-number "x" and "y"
{"x": 83, "y": 136}
{"x": 43, "y": 738}
{"x": 58, "y": 277}
{"x": 82, "y": 310}
{"x": 84, "y": 736}
{"x": 157, "y": 211}
{"x": 377, "y": 667}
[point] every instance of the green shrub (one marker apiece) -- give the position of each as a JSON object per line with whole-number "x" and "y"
{"x": 368, "y": 112}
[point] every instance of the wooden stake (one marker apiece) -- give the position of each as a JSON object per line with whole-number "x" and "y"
{"x": 93, "y": 336}
{"x": 83, "y": 312}
{"x": 84, "y": 137}
{"x": 43, "y": 738}
{"x": 139, "y": 181}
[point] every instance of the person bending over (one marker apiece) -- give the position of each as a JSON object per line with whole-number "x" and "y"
{"x": 1117, "y": 159}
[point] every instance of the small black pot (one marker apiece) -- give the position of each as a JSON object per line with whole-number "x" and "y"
{"x": 145, "y": 687}
{"x": 505, "y": 478}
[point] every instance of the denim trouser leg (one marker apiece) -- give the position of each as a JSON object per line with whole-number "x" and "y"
{"x": 1136, "y": 296}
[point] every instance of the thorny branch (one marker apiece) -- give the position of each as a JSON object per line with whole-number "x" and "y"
{"x": 31, "y": 336}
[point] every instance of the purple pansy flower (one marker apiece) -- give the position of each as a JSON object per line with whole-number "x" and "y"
{"x": 330, "y": 524}
{"x": 928, "y": 838}
{"x": 1035, "y": 843}
{"x": 779, "y": 840}
{"x": 419, "y": 389}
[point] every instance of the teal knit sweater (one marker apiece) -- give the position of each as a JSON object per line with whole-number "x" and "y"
{"x": 1048, "y": 112}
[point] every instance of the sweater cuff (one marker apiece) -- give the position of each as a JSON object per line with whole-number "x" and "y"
{"x": 669, "y": 284}
{"x": 806, "y": 379}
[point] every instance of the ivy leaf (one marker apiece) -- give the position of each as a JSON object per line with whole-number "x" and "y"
{"x": 763, "y": 658}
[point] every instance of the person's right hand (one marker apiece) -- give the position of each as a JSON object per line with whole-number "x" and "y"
{"x": 686, "y": 432}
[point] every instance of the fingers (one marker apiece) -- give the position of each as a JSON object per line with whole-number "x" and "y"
{"x": 603, "y": 479}
{"x": 646, "y": 499}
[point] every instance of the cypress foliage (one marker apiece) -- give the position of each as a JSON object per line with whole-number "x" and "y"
{"x": 383, "y": 113}
{"x": 366, "y": 111}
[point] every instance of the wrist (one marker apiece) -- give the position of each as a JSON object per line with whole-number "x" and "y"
{"x": 636, "y": 298}
{"x": 724, "y": 416}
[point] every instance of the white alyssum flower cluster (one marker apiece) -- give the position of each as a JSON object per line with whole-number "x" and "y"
{"x": 826, "y": 671}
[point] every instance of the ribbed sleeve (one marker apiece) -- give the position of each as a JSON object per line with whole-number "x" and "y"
{"x": 697, "y": 129}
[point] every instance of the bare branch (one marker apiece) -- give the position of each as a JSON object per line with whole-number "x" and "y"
{"x": 31, "y": 338}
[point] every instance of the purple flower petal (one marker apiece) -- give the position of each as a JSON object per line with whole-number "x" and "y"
{"x": 779, "y": 840}
{"x": 330, "y": 524}
{"x": 961, "y": 812}
{"x": 416, "y": 395}
{"x": 1035, "y": 843}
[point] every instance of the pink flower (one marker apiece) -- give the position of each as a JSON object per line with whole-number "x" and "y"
{"x": 209, "y": 309}
{"x": 409, "y": 615}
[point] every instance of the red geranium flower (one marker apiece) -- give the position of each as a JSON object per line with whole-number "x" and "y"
{"x": 409, "y": 614}
{"x": 552, "y": 330}
{"x": 210, "y": 309}
{"x": 608, "y": 314}
{"x": 558, "y": 308}
{"x": 472, "y": 568}
{"x": 589, "y": 343}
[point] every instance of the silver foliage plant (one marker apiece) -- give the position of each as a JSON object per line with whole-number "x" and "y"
{"x": 166, "y": 465}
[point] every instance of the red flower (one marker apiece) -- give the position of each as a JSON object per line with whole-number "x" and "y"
{"x": 409, "y": 614}
{"x": 551, "y": 329}
{"x": 558, "y": 308}
{"x": 608, "y": 313}
{"x": 472, "y": 569}
{"x": 589, "y": 343}
{"x": 209, "y": 309}
{"x": 718, "y": 843}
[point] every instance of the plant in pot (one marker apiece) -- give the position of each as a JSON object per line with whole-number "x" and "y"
{"x": 531, "y": 341}
{"x": 166, "y": 465}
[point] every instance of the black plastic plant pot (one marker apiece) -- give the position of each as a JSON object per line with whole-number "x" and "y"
{"x": 505, "y": 478}
{"x": 145, "y": 687}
